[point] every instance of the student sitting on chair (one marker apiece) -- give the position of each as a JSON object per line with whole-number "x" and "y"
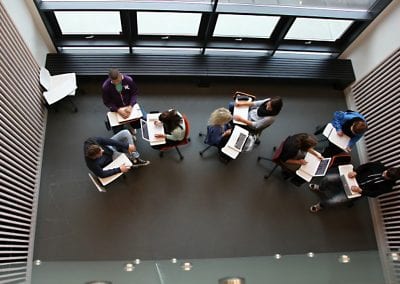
{"x": 174, "y": 128}
{"x": 120, "y": 95}
{"x": 295, "y": 148}
{"x": 99, "y": 152}
{"x": 348, "y": 123}
{"x": 262, "y": 113}
{"x": 219, "y": 130}
{"x": 373, "y": 179}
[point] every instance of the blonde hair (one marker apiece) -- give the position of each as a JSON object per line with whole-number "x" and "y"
{"x": 220, "y": 116}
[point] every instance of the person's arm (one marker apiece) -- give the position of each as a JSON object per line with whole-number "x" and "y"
{"x": 338, "y": 120}
{"x": 354, "y": 140}
{"x": 296, "y": 162}
{"x": 107, "y": 98}
{"x": 134, "y": 92}
{"x": 103, "y": 142}
{"x": 98, "y": 170}
{"x": 244, "y": 103}
{"x": 178, "y": 134}
{"x": 315, "y": 153}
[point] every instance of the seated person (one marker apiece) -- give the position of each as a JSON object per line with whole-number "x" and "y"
{"x": 373, "y": 180}
{"x": 174, "y": 128}
{"x": 120, "y": 95}
{"x": 262, "y": 113}
{"x": 99, "y": 152}
{"x": 348, "y": 123}
{"x": 219, "y": 130}
{"x": 295, "y": 148}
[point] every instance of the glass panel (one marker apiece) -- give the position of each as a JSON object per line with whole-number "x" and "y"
{"x": 245, "y": 26}
{"x": 167, "y": 50}
{"x": 92, "y": 50}
{"x": 362, "y": 5}
{"x": 89, "y": 22}
{"x": 163, "y": 23}
{"x": 317, "y": 29}
{"x": 238, "y": 52}
{"x": 304, "y": 54}
{"x": 322, "y": 268}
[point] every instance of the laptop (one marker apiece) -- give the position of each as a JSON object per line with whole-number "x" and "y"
{"x": 322, "y": 167}
{"x": 145, "y": 130}
{"x": 149, "y": 129}
{"x": 348, "y": 182}
{"x": 236, "y": 142}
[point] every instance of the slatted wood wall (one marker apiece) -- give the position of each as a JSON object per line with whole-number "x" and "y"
{"x": 378, "y": 98}
{"x": 22, "y": 127}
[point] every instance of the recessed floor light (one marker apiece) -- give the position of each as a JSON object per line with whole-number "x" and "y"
{"x": 310, "y": 254}
{"x": 278, "y": 256}
{"x": 344, "y": 258}
{"x": 129, "y": 267}
{"x": 187, "y": 266}
{"x": 37, "y": 262}
{"x": 174, "y": 260}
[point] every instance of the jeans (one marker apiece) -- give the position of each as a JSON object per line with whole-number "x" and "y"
{"x": 332, "y": 191}
{"x": 123, "y": 136}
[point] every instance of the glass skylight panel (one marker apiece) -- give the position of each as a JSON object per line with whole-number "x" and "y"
{"x": 317, "y": 29}
{"x": 79, "y": 22}
{"x": 245, "y": 26}
{"x": 165, "y": 23}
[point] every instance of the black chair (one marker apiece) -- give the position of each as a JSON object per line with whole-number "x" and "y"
{"x": 274, "y": 159}
{"x": 205, "y": 142}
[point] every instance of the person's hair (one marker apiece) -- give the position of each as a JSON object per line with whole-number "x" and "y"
{"x": 276, "y": 104}
{"x": 220, "y": 116}
{"x": 113, "y": 73}
{"x": 171, "y": 119}
{"x": 359, "y": 127}
{"x": 306, "y": 141}
{"x": 92, "y": 151}
{"x": 393, "y": 173}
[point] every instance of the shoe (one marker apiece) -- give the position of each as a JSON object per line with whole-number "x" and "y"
{"x": 140, "y": 163}
{"x": 257, "y": 142}
{"x": 314, "y": 187}
{"x": 315, "y": 208}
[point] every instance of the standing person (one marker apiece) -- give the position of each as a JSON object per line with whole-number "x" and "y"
{"x": 174, "y": 128}
{"x": 99, "y": 152}
{"x": 262, "y": 113}
{"x": 350, "y": 123}
{"x": 120, "y": 95}
{"x": 373, "y": 179}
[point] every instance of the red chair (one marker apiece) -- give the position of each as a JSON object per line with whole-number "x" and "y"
{"x": 275, "y": 159}
{"x": 185, "y": 140}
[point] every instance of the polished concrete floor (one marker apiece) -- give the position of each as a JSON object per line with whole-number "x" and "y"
{"x": 195, "y": 208}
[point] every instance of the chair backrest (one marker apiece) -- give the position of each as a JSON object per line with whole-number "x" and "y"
{"x": 96, "y": 183}
{"x": 187, "y": 130}
{"x": 45, "y": 78}
{"x": 277, "y": 154}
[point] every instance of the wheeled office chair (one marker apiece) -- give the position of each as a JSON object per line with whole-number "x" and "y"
{"x": 185, "y": 140}
{"x": 205, "y": 141}
{"x": 274, "y": 159}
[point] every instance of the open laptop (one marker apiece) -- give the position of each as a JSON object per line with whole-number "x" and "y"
{"x": 236, "y": 142}
{"x": 313, "y": 167}
{"x": 149, "y": 129}
{"x": 348, "y": 182}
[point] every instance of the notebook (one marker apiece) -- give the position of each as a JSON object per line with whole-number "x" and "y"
{"x": 150, "y": 129}
{"x": 348, "y": 182}
{"x": 242, "y": 111}
{"x": 120, "y": 160}
{"x": 116, "y": 119}
{"x": 331, "y": 134}
{"x": 236, "y": 142}
{"x": 314, "y": 167}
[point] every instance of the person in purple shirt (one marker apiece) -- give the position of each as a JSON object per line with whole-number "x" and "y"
{"x": 120, "y": 94}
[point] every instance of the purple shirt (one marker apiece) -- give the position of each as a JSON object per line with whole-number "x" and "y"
{"x": 114, "y": 100}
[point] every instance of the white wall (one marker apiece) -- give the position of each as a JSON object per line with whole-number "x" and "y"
{"x": 29, "y": 24}
{"x": 377, "y": 42}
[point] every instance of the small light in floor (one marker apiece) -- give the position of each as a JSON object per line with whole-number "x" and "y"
{"x": 344, "y": 258}
{"x": 137, "y": 261}
{"x": 174, "y": 260}
{"x": 395, "y": 256}
{"x": 37, "y": 262}
{"x": 187, "y": 266}
{"x": 278, "y": 256}
{"x": 129, "y": 267}
{"x": 310, "y": 254}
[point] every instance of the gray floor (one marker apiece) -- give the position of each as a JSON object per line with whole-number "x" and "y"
{"x": 195, "y": 208}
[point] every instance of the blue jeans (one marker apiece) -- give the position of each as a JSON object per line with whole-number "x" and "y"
{"x": 124, "y": 136}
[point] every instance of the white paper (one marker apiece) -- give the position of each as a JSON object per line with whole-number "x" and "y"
{"x": 120, "y": 160}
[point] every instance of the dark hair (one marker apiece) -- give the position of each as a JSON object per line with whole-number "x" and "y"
{"x": 393, "y": 173}
{"x": 305, "y": 141}
{"x": 276, "y": 105}
{"x": 171, "y": 120}
{"x": 359, "y": 127}
{"x": 113, "y": 73}
{"x": 92, "y": 151}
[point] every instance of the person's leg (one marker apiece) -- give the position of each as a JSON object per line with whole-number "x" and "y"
{"x": 125, "y": 136}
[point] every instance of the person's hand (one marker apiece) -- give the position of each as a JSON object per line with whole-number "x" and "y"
{"x": 319, "y": 156}
{"x": 227, "y": 132}
{"x": 340, "y": 132}
{"x": 352, "y": 174}
{"x": 355, "y": 188}
{"x": 158, "y": 123}
{"x": 348, "y": 149}
{"x": 302, "y": 162}
{"x": 123, "y": 112}
{"x": 237, "y": 117}
{"x": 159, "y": 135}
{"x": 124, "y": 168}
{"x": 131, "y": 148}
